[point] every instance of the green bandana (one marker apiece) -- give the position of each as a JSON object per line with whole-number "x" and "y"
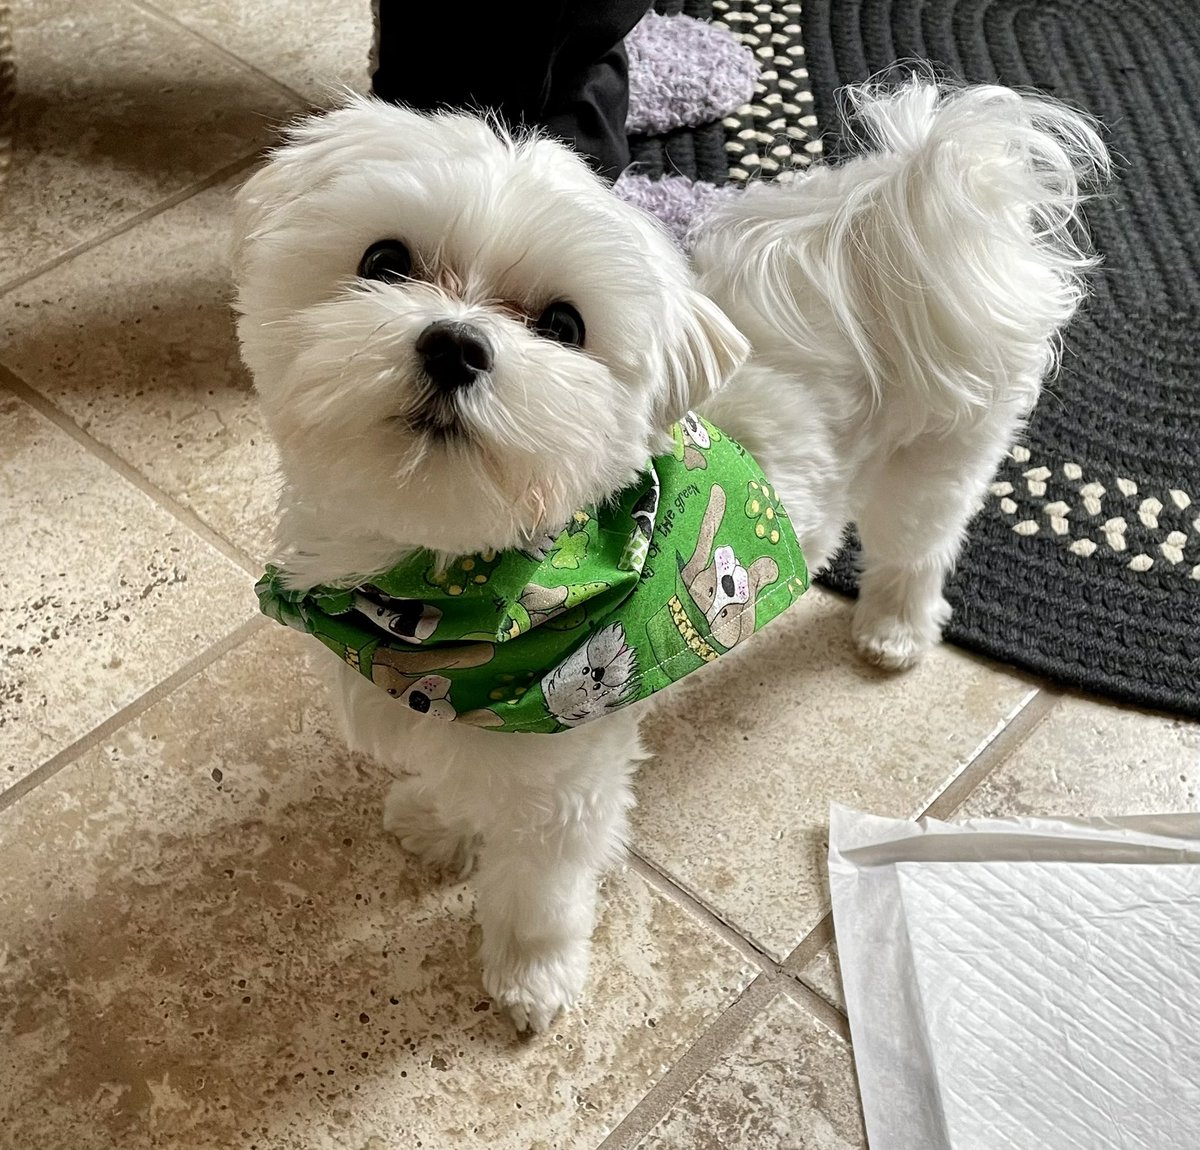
{"x": 683, "y": 565}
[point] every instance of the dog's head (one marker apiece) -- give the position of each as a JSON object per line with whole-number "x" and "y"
{"x": 459, "y": 337}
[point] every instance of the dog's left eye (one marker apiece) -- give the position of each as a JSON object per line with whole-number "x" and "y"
{"x": 388, "y": 261}
{"x": 561, "y": 322}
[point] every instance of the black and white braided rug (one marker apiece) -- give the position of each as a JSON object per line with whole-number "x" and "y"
{"x": 1084, "y": 564}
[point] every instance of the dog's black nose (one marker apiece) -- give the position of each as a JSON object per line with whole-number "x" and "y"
{"x": 454, "y": 353}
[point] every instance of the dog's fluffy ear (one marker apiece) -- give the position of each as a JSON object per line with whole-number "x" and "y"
{"x": 362, "y": 131}
{"x": 311, "y": 152}
{"x": 703, "y": 349}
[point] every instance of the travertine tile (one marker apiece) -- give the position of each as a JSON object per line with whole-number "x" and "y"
{"x": 102, "y": 593}
{"x": 211, "y": 941}
{"x": 313, "y": 46}
{"x": 789, "y": 1083}
{"x": 135, "y": 341}
{"x": 1091, "y": 759}
{"x": 117, "y": 110}
{"x": 751, "y": 752}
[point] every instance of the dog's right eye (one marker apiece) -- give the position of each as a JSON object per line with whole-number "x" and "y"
{"x": 387, "y": 261}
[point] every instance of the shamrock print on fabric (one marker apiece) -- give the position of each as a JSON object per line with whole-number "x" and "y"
{"x": 763, "y": 505}
{"x": 509, "y": 688}
{"x": 571, "y": 547}
{"x": 465, "y": 572}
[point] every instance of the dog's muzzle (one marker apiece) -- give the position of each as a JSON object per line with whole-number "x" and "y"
{"x": 454, "y": 354}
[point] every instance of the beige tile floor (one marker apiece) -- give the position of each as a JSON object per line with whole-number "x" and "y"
{"x": 206, "y": 940}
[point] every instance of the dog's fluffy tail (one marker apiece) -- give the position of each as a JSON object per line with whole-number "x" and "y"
{"x": 948, "y": 253}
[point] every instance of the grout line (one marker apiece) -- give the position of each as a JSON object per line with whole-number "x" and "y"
{"x": 157, "y": 13}
{"x": 691, "y": 1066}
{"x": 666, "y": 884}
{"x": 981, "y": 749}
{"x": 172, "y": 201}
{"x": 786, "y": 974}
{"x": 991, "y": 753}
{"x": 809, "y": 945}
{"x": 824, "y": 1012}
{"x": 994, "y": 752}
{"x": 129, "y": 712}
{"x": 127, "y": 471}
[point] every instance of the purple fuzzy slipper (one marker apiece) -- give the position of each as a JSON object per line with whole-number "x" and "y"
{"x": 684, "y": 72}
{"x": 675, "y": 201}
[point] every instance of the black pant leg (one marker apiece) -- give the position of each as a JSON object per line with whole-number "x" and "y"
{"x": 555, "y": 63}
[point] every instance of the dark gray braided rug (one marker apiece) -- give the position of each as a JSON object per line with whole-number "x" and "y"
{"x": 1084, "y": 565}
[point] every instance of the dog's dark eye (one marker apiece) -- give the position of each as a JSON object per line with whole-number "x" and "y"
{"x": 561, "y": 322}
{"x": 388, "y": 261}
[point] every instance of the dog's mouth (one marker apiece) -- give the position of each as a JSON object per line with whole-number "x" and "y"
{"x": 435, "y": 415}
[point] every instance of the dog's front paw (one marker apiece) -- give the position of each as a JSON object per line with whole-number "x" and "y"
{"x": 422, "y": 833}
{"x": 893, "y": 642}
{"x": 534, "y": 983}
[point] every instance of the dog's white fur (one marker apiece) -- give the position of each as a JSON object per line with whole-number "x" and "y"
{"x": 903, "y": 310}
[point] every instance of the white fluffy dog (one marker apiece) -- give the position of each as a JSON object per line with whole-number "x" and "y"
{"x": 874, "y": 333}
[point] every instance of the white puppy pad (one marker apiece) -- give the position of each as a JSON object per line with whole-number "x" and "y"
{"x": 1028, "y": 984}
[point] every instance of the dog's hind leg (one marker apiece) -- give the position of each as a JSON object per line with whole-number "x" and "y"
{"x": 912, "y": 519}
